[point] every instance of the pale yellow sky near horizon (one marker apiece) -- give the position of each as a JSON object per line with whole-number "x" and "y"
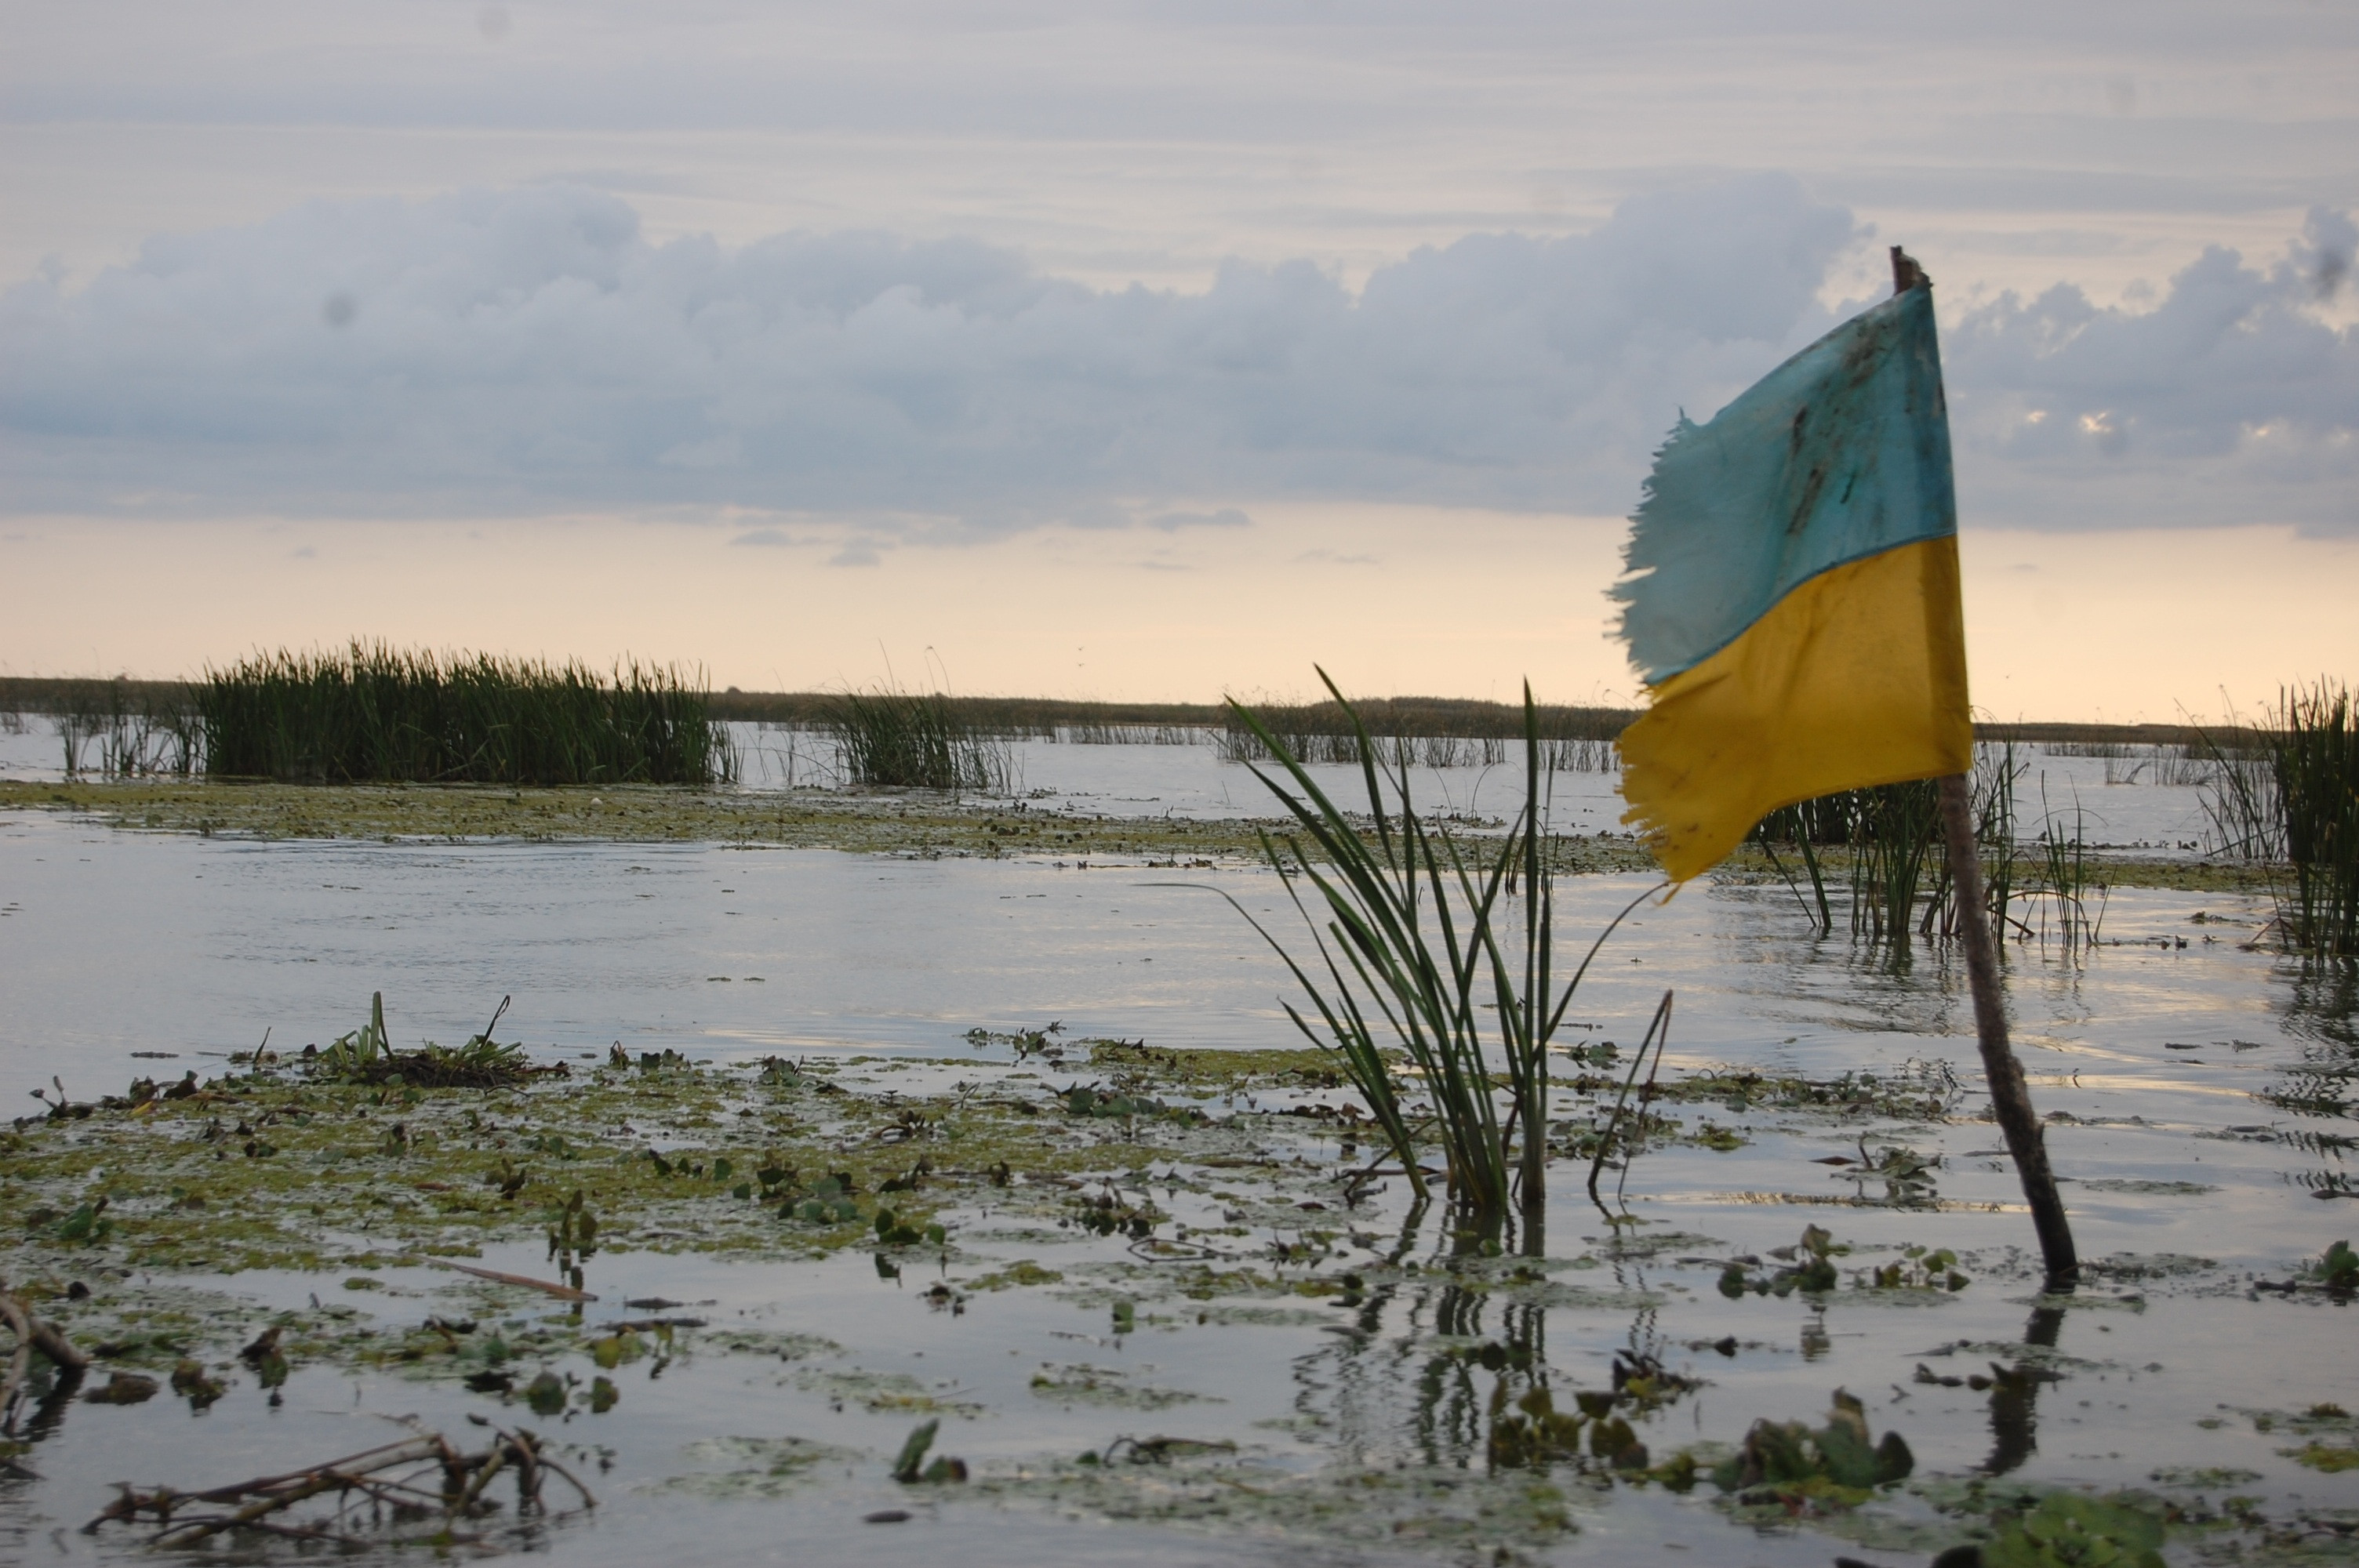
{"x": 271, "y": 259}
{"x": 2120, "y": 627}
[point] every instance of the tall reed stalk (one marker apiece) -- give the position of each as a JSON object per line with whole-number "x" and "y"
{"x": 1887, "y": 833}
{"x": 2064, "y": 874}
{"x": 1426, "y": 949}
{"x": 374, "y": 713}
{"x": 1893, "y": 859}
{"x": 2240, "y": 796}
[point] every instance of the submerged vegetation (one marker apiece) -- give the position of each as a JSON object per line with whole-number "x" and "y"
{"x": 1178, "y": 1192}
{"x": 377, "y": 714}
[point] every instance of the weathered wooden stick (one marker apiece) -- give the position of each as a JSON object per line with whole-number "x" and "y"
{"x": 44, "y": 1337}
{"x": 271, "y": 1494}
{"x": 2010, "y": 1099}
{"x": 32, "y": 1335}
{"x": 563, "y": 1293}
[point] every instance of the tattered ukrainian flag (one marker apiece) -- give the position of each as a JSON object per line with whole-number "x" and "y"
{"x": 1792, "y": 597}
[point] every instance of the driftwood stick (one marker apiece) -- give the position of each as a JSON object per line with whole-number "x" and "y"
{"x": 2010, "y": 1099}
{"x": 563, "y": 1293}
{"x": 270, "y": 1493}
{"x": 44, "y": 1337}
{"x": 465, "y": 1478}
{"x": 546, "y": 1463}
{"x": 19, "y": 1365}
{"x": 366, "y": 1461}
{"x": 195, "y": 1531}
{"x": 32, "y": 1335}
{"x": 493, "y": 1462}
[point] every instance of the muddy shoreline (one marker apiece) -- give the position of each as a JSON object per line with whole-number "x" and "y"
{"x": 908, "y": 823}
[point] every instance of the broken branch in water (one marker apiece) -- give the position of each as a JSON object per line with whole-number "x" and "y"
{"x": 32, "y": 1335}
{"x": 415, "y": 1475}
{"x": 563, "y": 1293}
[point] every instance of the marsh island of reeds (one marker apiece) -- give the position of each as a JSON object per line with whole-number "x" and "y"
{"x": 374, "y": 714}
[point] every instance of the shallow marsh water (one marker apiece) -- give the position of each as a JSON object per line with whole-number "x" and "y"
{"x": 2197, "y": 1079}
{"x": 2114, "y": 804}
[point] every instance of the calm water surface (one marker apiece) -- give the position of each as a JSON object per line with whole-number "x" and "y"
{"x": 2160, "y": 1051}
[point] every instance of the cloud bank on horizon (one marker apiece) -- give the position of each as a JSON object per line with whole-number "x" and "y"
{"x": 528, "y": 350}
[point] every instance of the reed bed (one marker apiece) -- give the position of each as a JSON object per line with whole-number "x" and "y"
{"x": 123, "y": 729}
{"x": 2286, "y": 793}
{"x": 2317, "y": 766}
{"x": 2171, "y": 765}
{"x": 2242, "y": 805}
{"x": 1872, "y": 859}
{"x": 1424, "y": 732}
{"x": 902, "y": 740}
{"x": 376, "y": 714}
{"x": 1100, "y": 734}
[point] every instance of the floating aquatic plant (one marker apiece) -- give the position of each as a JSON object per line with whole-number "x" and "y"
{"x": 365, "y": 1055}
{"x": 1823, "y": 1469}
{"x": 2338, "y": 1270}
{"x": 2069, "y": 1531}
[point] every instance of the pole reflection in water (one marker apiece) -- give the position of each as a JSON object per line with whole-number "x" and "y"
{"x": 2014, "y": 1396}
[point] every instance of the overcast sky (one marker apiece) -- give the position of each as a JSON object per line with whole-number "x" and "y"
{"x": 1142, "y": 350}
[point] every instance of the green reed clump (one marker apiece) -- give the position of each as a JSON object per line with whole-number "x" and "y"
{"x": 367, "y": 1056}
{"x": 1889, "y": 832}
{"x": 1425, "y": 949}
{"x": 1886, "y": 846}
{"x": 2317, "y": 758}
{"x": 913, "y": 740}
{"x": 2287, "y": 793}
{"x": 376, "y": 714}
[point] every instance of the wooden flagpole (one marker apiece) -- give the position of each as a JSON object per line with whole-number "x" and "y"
{"x": 2010, "y": 1098}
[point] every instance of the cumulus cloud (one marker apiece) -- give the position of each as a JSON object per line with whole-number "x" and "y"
{"x": 531, "y": 351}
{"x": 2234, "y": 390}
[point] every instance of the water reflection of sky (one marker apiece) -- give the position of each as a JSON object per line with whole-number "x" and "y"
{"x": 2111, "y": 803}
{"x": 2186, "y": 1080}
